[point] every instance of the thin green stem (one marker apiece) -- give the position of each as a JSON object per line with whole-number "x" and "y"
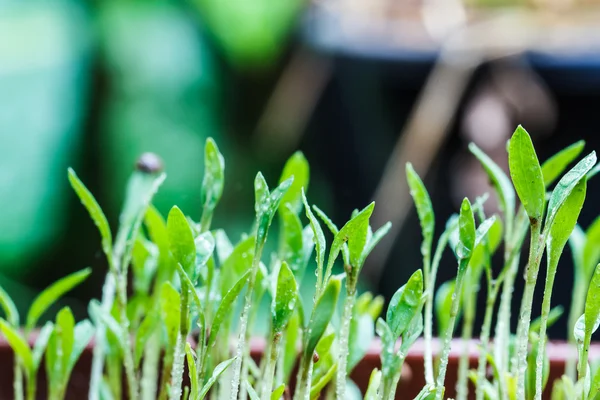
{"x": 390, "y": 384}
{"x": 108, "y": 295}
{"x": 428, "y": 321}
{"x": 340, "y": 382}
{"x": 18, "y": 380}
{"x": 31, "y": 386}
{"x": 179, "y": 354}
{"x": 513, "y": 240}
{"x": 577, "y": 307}
{"x": 467, "y": 334}
{"x": 533, "y": 266}
{"x": 441, "y": 377}
{"x": 127, "y": 353}
{"x": 539, "y": 362}
{"x": 150, "y": 368}
{"x": 485, "y": 338}
{"x": 304, "y": 378}
{"x": 267, "y": 385}
{"x": 241, "y": 345}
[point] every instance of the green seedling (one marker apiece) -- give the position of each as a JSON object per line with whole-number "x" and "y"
{"x": 172, "y": 278}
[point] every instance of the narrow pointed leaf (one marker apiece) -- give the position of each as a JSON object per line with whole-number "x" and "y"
{"x": 214, "y": 176}
{"x": 466, "y": 231}
{"x": 278, "y": 392}
{"x": 225, "y": 307}
{"x": 291, "y": 245}
{"x": 566, "y": 184}
{"x": 323, "y": 311}
{"x": 191, "y": 362}
{"x": 52, "y": 293}
{"x": 591, "y": 249}
{"x": 298, "y": 168}
{"x": 41, "y": 342}
{"x": 318, "y": 235}
{"x": 223, "y": 245}
{"x": 424, "y": 208}
{"x": 502, "y": 184}
{"x": 285, "y": 298}
{"x": 319, "y": 385}
{"x": 219, "y": 369}
{"x": 526, "y": 174}
{"x": 93, "y": 208}
{"x": 564, "y": 222}
{"x": 170, "y": 307}
{"x": 18, "y": 344}
{"x": 553, "y": 167}
{"x": 181, "y": 240}
{"x": 237, "y": 264}
{"x": 8, "y": 307}
{"x": 405, "y": 304}
{"x": 83, "y": 333}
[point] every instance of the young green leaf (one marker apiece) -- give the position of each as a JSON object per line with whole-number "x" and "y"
{"x": 141, "y": 187}
{"x": 181, "y": 240}
{"x": 237, "y": 264}
{"x": 290, "y": 352}
{"x": 553, "y": 167}
{"x": 266, "y": 204}
{"x": 318, "y": 237}
{"x": 374, "y": 384}
{"x": 218, "y": 371}
{"x": 191, "y": 362}
{"x": 144, "y": 332}
{"x": 501, "y": 183}
{"x": 592, "y": 309}
{"x": 52, "y": 293}
{"x": 591, "y": 249}
{"x": 223, "y": 245}
{"x": 320, "y": 384}
{"x": 82, "y": 335}
{"x": 526, "y": 174}
{"x": 214, "y": 176}
{"x": 225, "y": 307}
{"x": 373, "y": 240}
{"x": 424, "y": 210}
{"x": 18, "y": 344}
{"x": 443, "y": 304}
{"x": 298, "y": 168}
{"x": 466, "y": 231}
{"x": 251, "y": 392}
{"x": 291, "y": 245}
{"x": 405, "y": 304}
{"x": 354, "y": 232}
{"x": 278, "y": 392}
{"x": 40, "y": 343}
{"x": 8, "y": 307}
{"x": 553, "y": 316}
{"x": 285, "y": 298}
{"x": 362, "y": 332}
{"x": 170, "y": 307}
{"x": 323, "y": 311}
{"x": 99, "y": 316}
{"x": 91, "y": 205}
{"x": 414, "y": 330}
{"x": 564, "y": 222}
{"x": 566, "y": 184}
{"x": 205, "y": 245}
{"x": 64, "y": 329}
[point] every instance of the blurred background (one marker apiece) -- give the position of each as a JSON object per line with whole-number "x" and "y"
{"x": 359, "y": 86}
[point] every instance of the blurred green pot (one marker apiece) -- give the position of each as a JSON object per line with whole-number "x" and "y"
{"x": 44, "y": 71}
